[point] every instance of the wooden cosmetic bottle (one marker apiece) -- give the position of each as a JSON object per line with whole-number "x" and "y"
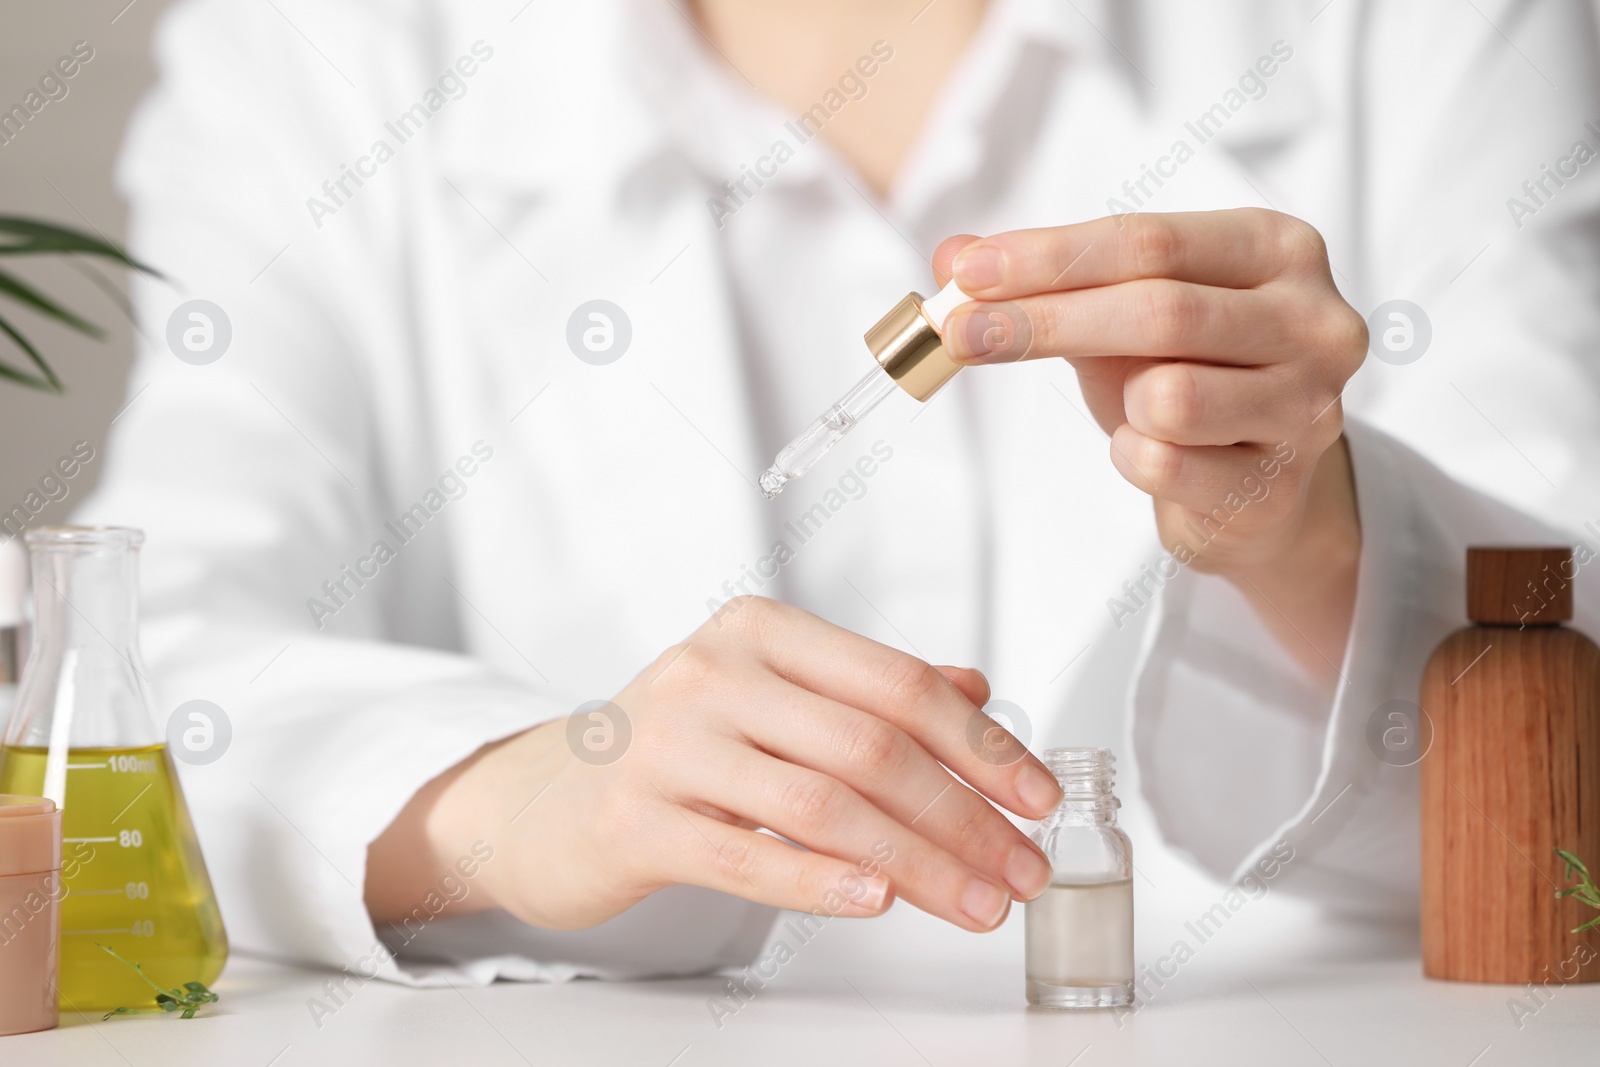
{"x": 1513, "y": 773}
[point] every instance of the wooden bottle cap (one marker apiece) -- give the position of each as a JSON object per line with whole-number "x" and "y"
{"x": 1519, "y": 584}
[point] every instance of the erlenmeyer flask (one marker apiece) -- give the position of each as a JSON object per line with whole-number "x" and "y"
{"x": 82, "y": 735}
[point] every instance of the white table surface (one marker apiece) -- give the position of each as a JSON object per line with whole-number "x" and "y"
{"x": 1271, "y": 987}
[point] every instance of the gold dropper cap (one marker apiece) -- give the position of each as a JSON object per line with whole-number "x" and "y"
{"x": 907, "y": 345}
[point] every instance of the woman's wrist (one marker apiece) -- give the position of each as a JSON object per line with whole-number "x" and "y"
{"x": 449, "y": 820}
{"x": 1305, "y": 594}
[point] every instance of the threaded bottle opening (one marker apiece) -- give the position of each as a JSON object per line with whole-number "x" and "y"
{"x": 1085, "y": 775}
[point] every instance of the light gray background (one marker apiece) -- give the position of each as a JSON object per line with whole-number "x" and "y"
{"x": 60, "y": 169}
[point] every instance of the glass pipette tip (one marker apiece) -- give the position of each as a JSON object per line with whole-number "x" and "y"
{"x": 826, "y": 430}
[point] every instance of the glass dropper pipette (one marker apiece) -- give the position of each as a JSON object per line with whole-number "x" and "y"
{"x": 909, "y": 348}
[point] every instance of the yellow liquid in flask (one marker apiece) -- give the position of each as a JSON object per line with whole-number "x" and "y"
{"x": 133, "y": 876}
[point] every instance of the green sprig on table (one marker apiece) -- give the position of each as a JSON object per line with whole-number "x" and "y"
{"x": 1585, "y": 890}
{"x": 188, "y": 1000}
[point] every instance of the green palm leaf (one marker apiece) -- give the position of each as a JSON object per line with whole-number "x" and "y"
{"x": 24, "y": 237}
{"x": 17, "y": 289}
{"x": 48, "y": 382}
{"x": 28, "y": 237}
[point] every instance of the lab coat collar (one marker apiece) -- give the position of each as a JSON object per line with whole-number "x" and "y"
{"x": 1074, "y": 26}
{"x": 705, "y": 109}
{"x": 998, "y": 90}
{"x": 581, "y": 97}
{"x": 715, "y": 120}
{"x": 665, "y": 98}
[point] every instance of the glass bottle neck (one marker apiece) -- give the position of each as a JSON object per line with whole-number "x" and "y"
{"x": 1071, "y": 815}
{"x": 86, "y": 599}
{"x": 84, "y": 684}
{"x": 1086, "y": 776}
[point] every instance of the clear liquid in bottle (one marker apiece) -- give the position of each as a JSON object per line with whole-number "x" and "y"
{"x": 1080, "y": 945}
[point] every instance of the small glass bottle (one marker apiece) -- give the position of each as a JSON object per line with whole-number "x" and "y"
{"x": 82, "y": 736}
{"x": 1080, "y": 932}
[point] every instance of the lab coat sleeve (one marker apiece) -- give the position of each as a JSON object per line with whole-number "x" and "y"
{"x": 265, "y": 480}
{"x": 1491, "y": 434}
{"x": 1238, "y": 751}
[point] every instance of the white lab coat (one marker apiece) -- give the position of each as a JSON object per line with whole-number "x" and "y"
{"x": 379, "y": 339}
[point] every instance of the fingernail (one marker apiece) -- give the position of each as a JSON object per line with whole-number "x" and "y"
{"x": 977, "y": 267}
{"x": 1027, "y": 872}
{"x": 984, "y": 903}
{"x": 961, "y": 340}
{"x": 1038, "y": 789}
{"x": 877, "y": 891}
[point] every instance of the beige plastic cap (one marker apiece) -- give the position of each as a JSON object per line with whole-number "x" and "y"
{"x": 30, "y": 835}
